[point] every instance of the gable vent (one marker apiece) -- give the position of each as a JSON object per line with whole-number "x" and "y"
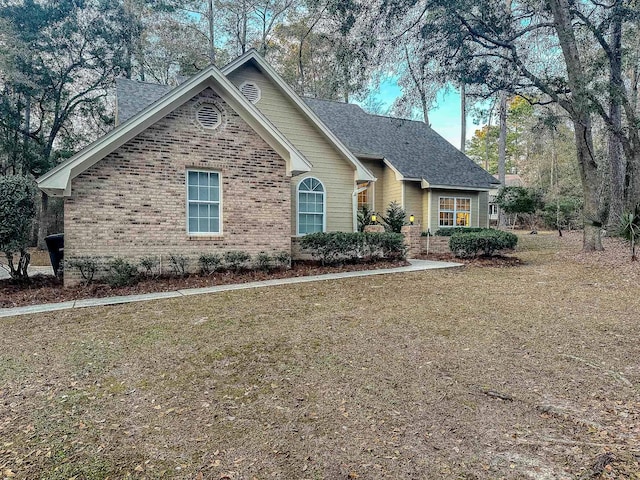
{"x": 251, "y": 91}
{"x": 208, "y": 116}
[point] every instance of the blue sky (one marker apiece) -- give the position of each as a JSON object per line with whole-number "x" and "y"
{"x": 444, "y": 118}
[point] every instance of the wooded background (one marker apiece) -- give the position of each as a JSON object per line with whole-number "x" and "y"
{"x": 553, "y": 85}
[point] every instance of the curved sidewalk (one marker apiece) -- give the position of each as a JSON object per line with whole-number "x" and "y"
{"x": 416, "y": 266}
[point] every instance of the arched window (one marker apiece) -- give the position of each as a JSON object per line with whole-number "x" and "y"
{"x": 311, "y": 206}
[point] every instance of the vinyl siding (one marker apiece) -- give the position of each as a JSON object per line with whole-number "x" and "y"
{"x": 379, "y": 170}
{"x": 413, "y": 200}
{"x": 392, "y": 189}
{"x": 435, "y": 202}
{"x": 329, "y": 165}
{"x": 483, "y": 206}
{"x": 425, "y": 210}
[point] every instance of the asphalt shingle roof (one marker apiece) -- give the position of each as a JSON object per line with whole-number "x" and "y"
{"x": 133, "y": 97}
{"x": 412, "y": 147}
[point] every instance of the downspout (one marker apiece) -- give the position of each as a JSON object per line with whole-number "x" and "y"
{"x": 354, "y": 204}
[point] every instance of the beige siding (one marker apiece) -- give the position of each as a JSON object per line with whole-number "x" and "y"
{"x": 425, "y": 209}
{"x": 413, "y": 200}
{"x": 329, "y": 166}
{"x": 392, "y": 189}
{"x": 483, "y": 207}
{"x": 435, "y": 202}
{"x": 378, "y": 169}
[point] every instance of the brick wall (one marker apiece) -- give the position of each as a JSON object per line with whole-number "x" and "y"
{"x": 436, "y": 244}
{"x": 133, "y": 202}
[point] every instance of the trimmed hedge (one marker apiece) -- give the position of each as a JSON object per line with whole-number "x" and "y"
{"x": 341, "y": 247}
{"x": 449, "y": 231}
{"x": 487, "y": 242}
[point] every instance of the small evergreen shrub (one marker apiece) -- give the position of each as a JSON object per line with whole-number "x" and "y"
{"x": 487, "y": 243}
{"x": 149, "y": 264}
{"x": 395, "y": 218}
{"x": 87, "y": 267}
{"x": 179, "y": 265}
{"x": 283, "y": 259}
{"x": 449, "y": 231}
{"x": 121, "y": 273}
{"x": 264, "y": 261}
{"x": 236, "y": 260}
{"x": 209, "y": 263}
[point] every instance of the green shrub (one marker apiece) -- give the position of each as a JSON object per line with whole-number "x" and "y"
{"x": 395, "y": 218}
{"x": 179, "y": 265}
{"x": 448, "y": 231}
{"x": 17, "y": 210}
{"x": 121, "y": 273}
{"x": 209, "y": 263}
{"x": 236, "y": 260}
{"x": 487, "y": 242}
{"x": 364, "y": 217}
{"x": 87, "y": 267}
{"x": 630, "y": 228}
{"x": 340, "y": 247}
{"x": 283, "y": 259}
{"x": 264, "y": 261}
{"x": 149, "y": 264}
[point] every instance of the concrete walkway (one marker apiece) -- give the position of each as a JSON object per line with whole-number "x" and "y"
{"x": 416, "y": 266}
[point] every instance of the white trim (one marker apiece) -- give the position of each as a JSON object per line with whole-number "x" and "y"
{"x": 57, "y": 182}
{"x": 354, "y": 203}
{"x": 453, "y": 187}
{"x": 219, "y": 233}
{"x": 431, "y": 210}
{"x": 455, "y": 210}
{"x": 402, "y": 196}
{"x": 324, "y": 204}
{"x": 252, "y": 55}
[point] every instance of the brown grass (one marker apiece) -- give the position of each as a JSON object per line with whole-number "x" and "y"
{"x": 378, "y": 377}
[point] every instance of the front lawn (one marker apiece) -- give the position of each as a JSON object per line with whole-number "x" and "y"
{"x": 529, "y": 371}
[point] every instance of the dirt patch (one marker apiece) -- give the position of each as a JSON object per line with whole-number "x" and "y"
{"x": 382, "y": 377}
{"x": 49, "y": 289}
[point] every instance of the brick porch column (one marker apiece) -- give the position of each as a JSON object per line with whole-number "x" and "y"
{"x": 412, "y": 235}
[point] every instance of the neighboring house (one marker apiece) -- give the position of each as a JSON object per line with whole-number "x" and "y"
{"x": 510, "y": 180}
{"x": 233, "y": 159}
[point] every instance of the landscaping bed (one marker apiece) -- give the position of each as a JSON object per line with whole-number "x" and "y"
{"x": 49, "y": 289}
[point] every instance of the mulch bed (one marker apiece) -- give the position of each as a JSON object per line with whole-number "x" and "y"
{"x": 49, "y": 289}
{"x": 500, "y": 261}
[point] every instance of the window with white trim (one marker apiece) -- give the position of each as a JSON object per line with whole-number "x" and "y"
{"x": 454, "y": 212}
{"x": 311, "y": 206}
{"x": 203, "y": 202}
{"x": 363, "y": 199}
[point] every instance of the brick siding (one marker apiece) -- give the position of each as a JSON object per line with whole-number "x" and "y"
{"x": 132, "y": 203}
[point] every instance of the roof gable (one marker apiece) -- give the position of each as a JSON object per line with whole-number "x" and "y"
{"x": 411, "y": 148}
{"x": 57, "y": 182}
{"x": 254, "y": 58}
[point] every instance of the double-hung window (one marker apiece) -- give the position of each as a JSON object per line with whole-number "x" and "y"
{"x": 203, "y": 202}
{"x": 454, "y": 212}
{"x": 311, "y": 206}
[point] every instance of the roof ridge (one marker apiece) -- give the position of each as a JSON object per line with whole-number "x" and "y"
{"x": 144, "y": 82}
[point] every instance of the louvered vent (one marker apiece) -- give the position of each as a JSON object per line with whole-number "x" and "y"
{"x": 209, "y": 116}
{"x": 251, "y": 92}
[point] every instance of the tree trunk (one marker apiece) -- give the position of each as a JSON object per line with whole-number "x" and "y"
{"x": 617, "y": 161}
{"x": 502, "y": 150}
{"x": 463, "y": 117}
{"x": 212, "y": 44}
{"x": 580, "y": 111}
{"x": 43, "y": 220}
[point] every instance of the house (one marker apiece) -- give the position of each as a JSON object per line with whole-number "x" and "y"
{"x": 233, "y": 159}
{"x": 510, "y": 180}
